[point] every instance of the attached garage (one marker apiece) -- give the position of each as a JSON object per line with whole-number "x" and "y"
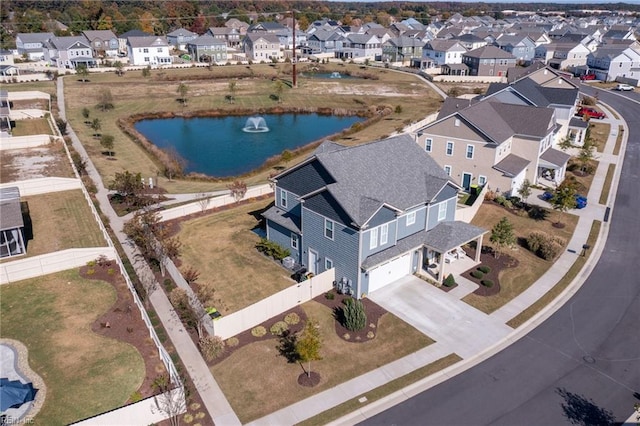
{"x": 389, "y": 272}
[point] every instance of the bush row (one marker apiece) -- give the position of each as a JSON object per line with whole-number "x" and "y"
{"x": 545, "y": 246}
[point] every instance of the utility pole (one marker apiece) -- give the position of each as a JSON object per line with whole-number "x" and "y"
{"x": 293, "y": 59}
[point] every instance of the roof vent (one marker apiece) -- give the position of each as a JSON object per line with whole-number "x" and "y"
{"x": 457, "y": 122}
{"x": 545, "y": 72}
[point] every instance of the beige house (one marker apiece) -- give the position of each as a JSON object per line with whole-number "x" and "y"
{"x": 262, "y": 47}
{"x": 495, "y": 143}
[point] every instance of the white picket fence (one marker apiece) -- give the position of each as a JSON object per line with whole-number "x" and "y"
{"x": 469, "y": 79}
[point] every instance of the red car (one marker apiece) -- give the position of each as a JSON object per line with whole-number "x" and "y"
{"x": 590, "y": 112}
{"x": 588, "y": 77}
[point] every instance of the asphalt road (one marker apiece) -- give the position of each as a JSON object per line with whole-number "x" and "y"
{"x": 582, "y": 365}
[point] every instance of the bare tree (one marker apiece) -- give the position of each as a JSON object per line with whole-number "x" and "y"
{"x": 238, "y": 190}
{"x": 203, "y": 201}
{"x": 171, "y": 400}
{"x": 174, "y": 163}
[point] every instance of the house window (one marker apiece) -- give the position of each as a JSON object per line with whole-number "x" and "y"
{"x": 411, "y": 218}
{"x": 449, "y": 148}
{"x": 442, "y": 211}
{"x": 283, "y": 198}
{"x": 482, "y": 180}
{"x": 294, "y": 240}
{"x": 145, "y": 50}
{"x": 328, "y": 229}
{"x": 373, "y": 238}
{"x": 328, "y": 264}
{"x": 470, "y": 152}
{"x": 427, "y": 144}
{"x": 146, "y": 59}
{"x": 384, "y": 234}
{"x": 447, "y": 170}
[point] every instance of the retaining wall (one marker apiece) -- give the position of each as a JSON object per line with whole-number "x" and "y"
{"x": 45, "y": 185}
{"x": 22, "y": 142}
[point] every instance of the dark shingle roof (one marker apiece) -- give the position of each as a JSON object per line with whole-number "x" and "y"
{"x": 489, "y": 52}
{"x": 512, "y": 165}
{"x": 556, "y": 157}
{"x": 283, "y": 218}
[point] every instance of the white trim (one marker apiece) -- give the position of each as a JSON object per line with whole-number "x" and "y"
{"x": 483, "y": 179}
{"x": 384, "y": 234}
{"x": 466, "y": 153}
{"x": 284, "y": 195}
{"x": 448, "y": 169}
{"x": 332, "y": 230}
{"x": 294, "y": 240}
{"x": 446, "y": 148}
{"x": 429, "y": 147}
{"x": 373, "y": 238}
{"x": 442, "y": 212}
{"x": 411, "y": 218}
{"x": 462, "y": 180}
{"x": 328, "y": 261}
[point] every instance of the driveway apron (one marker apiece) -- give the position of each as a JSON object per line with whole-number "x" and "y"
{"x": 441, "y": 316}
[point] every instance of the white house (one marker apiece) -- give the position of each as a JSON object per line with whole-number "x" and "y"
{"x": 31, "y": 45}
{"x": 69, "y": 52}
{"x": 440, "y": 52}
{"x": 149, "y": 50}
{"x": 262, "y": 47}
{"x": 616, "y": 61}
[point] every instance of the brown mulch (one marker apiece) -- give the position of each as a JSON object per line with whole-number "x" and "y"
{"x": 123, "y": 322}
{"x": 488, "y": 259}
{"x": 309, "y": 380}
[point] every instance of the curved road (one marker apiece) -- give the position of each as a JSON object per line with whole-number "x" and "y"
{"x": 580, "y": 366}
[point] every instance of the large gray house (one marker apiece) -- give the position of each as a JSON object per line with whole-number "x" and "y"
{"x": 374, "y": 212}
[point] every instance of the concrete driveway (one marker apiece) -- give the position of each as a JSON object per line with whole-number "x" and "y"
{"x": 441, "y": 316}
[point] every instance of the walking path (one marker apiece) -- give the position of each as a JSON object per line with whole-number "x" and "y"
{"x": 477, "y": 345}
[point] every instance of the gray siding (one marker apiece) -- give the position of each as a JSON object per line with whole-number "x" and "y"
{"x": 419, "y": 225}
{"x": 293, "y": 204}
{"x": 342, "y": 250}
{"x": 282, "y": 236}
{"x": 432, "y": 218}
{"x": 366, "y": 240}
{"x": 446, "y": 193}
{"x": 383, "y": 215}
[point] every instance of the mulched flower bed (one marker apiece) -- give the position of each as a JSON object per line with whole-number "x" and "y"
{"x": 123, "y": 322}
{"x": 488, "y": 259}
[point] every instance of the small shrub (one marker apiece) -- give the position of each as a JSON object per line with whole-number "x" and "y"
{"x": 346, "y": 336}
{"x": 329, "y": 296}
{"x": 272, "y": 249}
{"x": 292, "y": 318}
{"x": 111, "y": 271}
{"x": 535, "y": 240}
{"x": 232, "y": 342}
{"x": 500, "y": 200}
{"x": 194, "y": 406}
{"x": 490, "y": 195}
{"x": 136, "y": 396}
{"x": 258, "y": 331}
{"x": 487, "y": 283}
{"x": 278, "y": 328}
{"x": 477, "y": 274}
{"x": 91, "y": 271}
{"x": 484, "y": 269}
{"x": 370, "y": 335}
{"x": 450, "y": 281}
{"x": 507, "y": 204}
{"x": 188, "y": 418}
{"x": 355, "y": 317}
{"x": 211, "y": 347}
{"x": 91, "y": 263}
{"x": 398, "y": 109}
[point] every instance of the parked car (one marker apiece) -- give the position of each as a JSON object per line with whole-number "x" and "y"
{"x": 590, "y": 112}
{"x": 588, "y": 77}
{"x": 581, "y": 200}
{"x": 624, "y": 87}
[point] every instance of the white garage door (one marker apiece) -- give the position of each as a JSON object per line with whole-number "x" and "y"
{"x": 389, "y": 272}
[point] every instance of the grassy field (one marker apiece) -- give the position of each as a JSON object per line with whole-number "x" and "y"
{"x": 616, "y": 149}
{"x": 221, "y": 246}
{"x": 85, "y": 374}
{"x": 61, "y": 220}
{"x": 134, "y": 93}
{"x": 525, "y": 315}
{"x": 514, "y": 281}
{"x": 599, "y": 133}
{"x": 606, "y": 188}
{"x": 257, "y": 381}
{"x": 35, "y": 126}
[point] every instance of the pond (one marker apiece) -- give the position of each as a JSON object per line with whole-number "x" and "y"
{"x": 234, "y": 145}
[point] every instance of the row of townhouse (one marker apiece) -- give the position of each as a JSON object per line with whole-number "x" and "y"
{"x": 383, "y": 210}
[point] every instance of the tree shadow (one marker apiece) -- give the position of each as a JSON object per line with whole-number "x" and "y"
{"x": 582, "y": 411}
{"x": 287, "y": 347}
{"x": 257, "y": 214}
{"x": 537, "y": 212}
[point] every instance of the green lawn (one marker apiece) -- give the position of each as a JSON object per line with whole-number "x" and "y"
{"x": 35, "y": 126}
{"x": 133, "y": 94}
{"x": 61, "y": 220}
{"x": 85, "y": 374}
{"x": 257, "y": 381}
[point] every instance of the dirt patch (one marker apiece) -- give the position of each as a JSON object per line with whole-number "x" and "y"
{"x": 496, "y": 266}
{"x": 31, "y": 163}
{"x": 124, "y": 323}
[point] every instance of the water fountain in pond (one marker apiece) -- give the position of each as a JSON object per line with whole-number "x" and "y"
{"x": 255, "y": 125}
{"x": 336, "y": 74}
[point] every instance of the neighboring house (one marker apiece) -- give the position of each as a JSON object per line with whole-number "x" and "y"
{"x": 124, "y": 38}
{"x": 31, "y": 45}
{"x": 471, "y": 41}
{"x": 383, "y": 34}
{"x": 362, "y": 46}
{"x": 238, "y": 25}
{"x": 541, "y": 87}
{"x": 208, "y": 49}
{"x": 231, "y": 36}
{"x": 6, "y": 57}
{"x": 494, "y": 143}
{"x": 7, "y": 67}
{"x": 402, "y": 49}
{"x": 611, "y": 62}
{"x": 150, "y": 51}
{"x": 522, "y": 47}
{"x": 103, "y": 42}
{"x": 262, "y": 47}
{"x": 488, "y": 61}
{"x": 323, "y": 41}
{"x": 12, "y": 226}
{"x": 265, "y": 27}
{"x": 438, "y": 52}
{"x": 180, "y": 37}
{"x": 5, "y": 114}
{"x": 375, "y": 212}
{"x": 69, "y": 52}
{"x": 286, "y": 38}
{"x": 564, "y": 55}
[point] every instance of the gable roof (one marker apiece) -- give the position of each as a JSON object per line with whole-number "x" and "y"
{"x": 182, "y": 32}
{"x": 101, "y": 34}
{"x": 147, "y": 41}
{"x": 360, "y": 179}
{"x": 64, "y": 43}
{"x": 489, "y": 52}
{"x": 34, "y": 37}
